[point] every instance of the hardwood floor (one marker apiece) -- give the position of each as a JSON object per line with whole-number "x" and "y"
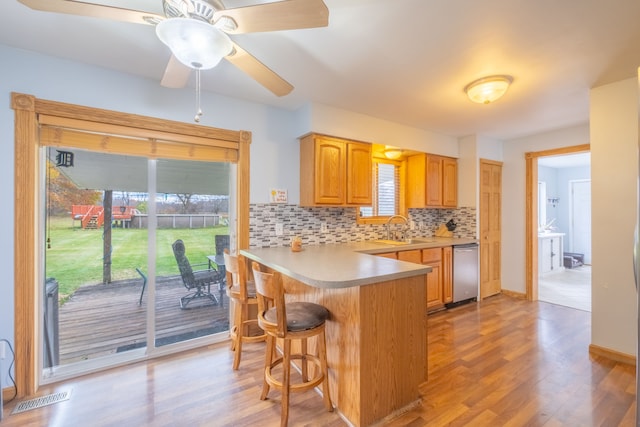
{"x": 502, "y": 362}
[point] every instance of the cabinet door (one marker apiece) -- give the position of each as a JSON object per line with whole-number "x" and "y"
{"x": 433, "y": 258}
{"x": 434, "y": 181}
{"x": 330, "y": 171}
{"x": 449, "y": 182}
{"x": 447, "y": 274}
{"x": 411, "y": 256}
{"x": 359, "y": 174}
{"x": 434, "y": 286}
{"x": 415, "y": 190}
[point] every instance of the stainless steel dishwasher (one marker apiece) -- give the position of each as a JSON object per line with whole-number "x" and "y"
{"x": 465, "y": 273}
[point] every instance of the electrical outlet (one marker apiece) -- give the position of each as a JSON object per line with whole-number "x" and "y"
{"x": 412, "y": 225}
{"x": 279, "y": 229}
{"x": 323, "y": 227}
{"x": 421, "y": 225}
{"x": 3, "y": 351}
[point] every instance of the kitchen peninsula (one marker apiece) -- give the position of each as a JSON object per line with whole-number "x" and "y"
{"x": 377, "y": 331}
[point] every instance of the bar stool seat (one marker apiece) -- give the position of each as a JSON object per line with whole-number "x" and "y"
{"x": 242, "y": 293}
{"x": 288, "y": 322}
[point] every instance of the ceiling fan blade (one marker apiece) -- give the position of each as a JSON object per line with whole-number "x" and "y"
{"x": 258, "y": 71}
{"x": 176, "y": 75}
{"x": 94, "y": 10}
{"x": 282, "y": 15}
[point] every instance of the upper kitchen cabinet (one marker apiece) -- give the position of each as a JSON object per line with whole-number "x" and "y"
{"x": 334, "y": 171}
{"x": 432, "y": 181}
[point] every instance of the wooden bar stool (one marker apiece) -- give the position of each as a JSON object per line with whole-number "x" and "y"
{"x": 243, "y": 295}
{"x": 291, "y": 321}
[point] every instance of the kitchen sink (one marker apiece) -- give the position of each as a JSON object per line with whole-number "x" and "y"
{"x": 402, "y": 242}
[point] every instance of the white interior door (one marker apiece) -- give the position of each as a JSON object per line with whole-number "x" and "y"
{"x": 580, "y": 193}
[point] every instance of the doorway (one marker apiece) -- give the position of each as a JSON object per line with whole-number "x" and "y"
{"x": 41, "y": 123}
{"x": 554, "y": 258}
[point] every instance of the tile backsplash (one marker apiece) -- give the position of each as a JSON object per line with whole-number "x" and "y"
{"x": 341, "y": 226}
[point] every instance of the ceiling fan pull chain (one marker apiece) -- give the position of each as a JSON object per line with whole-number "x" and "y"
{"x": 199, "y": 113}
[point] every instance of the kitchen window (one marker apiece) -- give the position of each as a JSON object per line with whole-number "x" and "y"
{"x": 388, "y": 192}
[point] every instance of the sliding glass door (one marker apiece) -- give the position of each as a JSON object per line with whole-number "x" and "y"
{"x": 191, "y": 227}
{"x": 130, "y": 256}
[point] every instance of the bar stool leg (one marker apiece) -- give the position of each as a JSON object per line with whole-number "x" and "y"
{"x": 322, "y": 350}
{"x": 240, "y": 332}
{"x": 268, "y": 358}
{"x": 236, "y": 322}
{"x": 303, "y": 360}
{"x": 286, "y": 382}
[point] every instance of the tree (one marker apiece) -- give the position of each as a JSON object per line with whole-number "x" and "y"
{"x": 63, "y": 193}
{"x": 185, "y": 200}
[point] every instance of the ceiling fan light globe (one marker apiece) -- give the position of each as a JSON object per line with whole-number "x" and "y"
{"x": 195, "y": 43}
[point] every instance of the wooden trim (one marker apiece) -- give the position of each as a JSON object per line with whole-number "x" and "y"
{"x": 531, "y": 214}
{"x": 491, "y": 162}
{"x": 132, "y": 132}
{"x": 560, "y": 151}
{"x": 243, "y": 189}
{"x": 513, "y": 294}
{"x": 97, "y": 117}
{"x": 152, "y": 148}
{"x": 8, "y": 393}
{"x": 24, "y": 246}
{"x": 616, "y": 356}
{"x": 27, "y": 111}
{"x": 531, "y": 228}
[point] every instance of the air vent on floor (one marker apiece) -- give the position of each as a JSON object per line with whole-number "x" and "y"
{"x": 39, "y": 402}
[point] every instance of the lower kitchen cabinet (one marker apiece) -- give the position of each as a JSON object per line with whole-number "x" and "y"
{"x": 439, "y": 281}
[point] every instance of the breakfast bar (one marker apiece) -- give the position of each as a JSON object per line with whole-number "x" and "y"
{"x": 377, "y": 330}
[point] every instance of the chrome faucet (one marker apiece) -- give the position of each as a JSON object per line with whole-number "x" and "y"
{"x": 404, "y": 230}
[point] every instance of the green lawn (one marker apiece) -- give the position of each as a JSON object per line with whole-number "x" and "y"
{"x": 76, "y": 255}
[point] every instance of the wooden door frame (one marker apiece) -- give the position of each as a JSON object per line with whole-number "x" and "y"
{"x": 27, "y": 113}
{"x": 531, "y": 214}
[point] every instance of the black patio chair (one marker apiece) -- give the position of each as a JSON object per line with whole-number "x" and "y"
{"x": 199, "y": 281}
{"x": 144, "y": 283}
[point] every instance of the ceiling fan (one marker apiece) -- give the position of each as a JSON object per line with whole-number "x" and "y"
{"x": 188, "y": 23}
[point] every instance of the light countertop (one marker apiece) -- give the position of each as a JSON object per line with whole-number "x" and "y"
{"x": 345, "y": 265}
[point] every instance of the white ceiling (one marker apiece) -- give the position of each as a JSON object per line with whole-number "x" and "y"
{"x": 406, "y": 61}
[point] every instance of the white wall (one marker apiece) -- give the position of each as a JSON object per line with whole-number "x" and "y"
{"x": 468, "y": 172}
{"x": 513, "y": 197}
{"x": 347, "y": 124}
{"x": 614, "y": 179}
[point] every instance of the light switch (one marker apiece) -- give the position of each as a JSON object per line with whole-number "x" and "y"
{"x": 279, "y": 229}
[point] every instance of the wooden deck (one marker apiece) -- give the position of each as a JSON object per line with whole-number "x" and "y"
{"x": 103, "y": 319}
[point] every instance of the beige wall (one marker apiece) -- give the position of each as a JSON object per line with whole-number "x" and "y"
{"x": 513, "y": 197}
{"x": 614, "y": 175}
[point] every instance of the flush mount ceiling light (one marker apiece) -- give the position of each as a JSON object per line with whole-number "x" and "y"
{"x": 197, "y": 44}
{"x": 392, "y": 152}
{"x": 488, "y": 89}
